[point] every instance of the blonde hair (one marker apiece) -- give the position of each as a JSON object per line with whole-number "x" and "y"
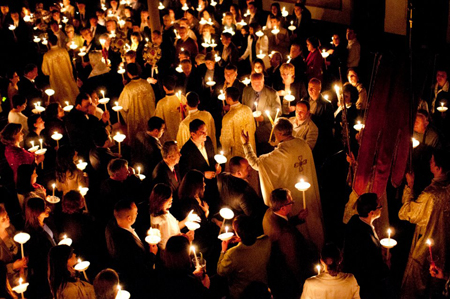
{"x": 288, "y": 67}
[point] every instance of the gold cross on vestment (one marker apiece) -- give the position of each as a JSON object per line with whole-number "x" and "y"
{"x": 300, "y": 163}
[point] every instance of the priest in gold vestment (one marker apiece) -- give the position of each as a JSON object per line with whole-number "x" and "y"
{"x": 431, "y": 214}
{"x": 239, "y": 118}
{"x": 138, "y": 102}
{"x": 57, "y": 65}
{"x": 192, "y": 100}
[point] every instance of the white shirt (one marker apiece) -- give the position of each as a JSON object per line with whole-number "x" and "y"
{"x": 168, "y": 226}
{"x": 325, "y": 286}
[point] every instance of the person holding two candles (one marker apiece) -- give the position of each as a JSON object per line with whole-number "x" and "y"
{"x": 429, "y": 212}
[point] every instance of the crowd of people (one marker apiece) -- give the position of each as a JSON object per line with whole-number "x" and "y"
{"x": 210, "y": 135}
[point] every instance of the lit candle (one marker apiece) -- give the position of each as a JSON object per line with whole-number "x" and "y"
{"x": 318, "y": 269}
{"x": 336, "y": 89}
{"x": 197, "y": 264}
{"x": 303, "y": 186}
{"x": 276, "y": 115}
{"x": 32, "y": 143}
{"x": 389, "y": 231}
{"x": 270, "y": 117}
{"x": 40, "y": 141}
{"x": 139, "y": 170}
{"x": 103, "y": 93}
{"x": 53, "y": 186}
{"x": 431, "y": 252}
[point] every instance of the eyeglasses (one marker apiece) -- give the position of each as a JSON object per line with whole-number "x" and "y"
{"x": 288, "y": 204}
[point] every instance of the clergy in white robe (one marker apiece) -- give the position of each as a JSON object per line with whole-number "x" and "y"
{"x": 289, "y": 162}
{"x": 239, "y": 118}
{"x": 57, "y": 65}
{"x": 138, "y": 102}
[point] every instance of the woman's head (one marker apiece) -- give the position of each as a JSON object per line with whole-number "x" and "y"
{"x": 26, "y": 177}
{"x": 312, "y": 42}
{"x": 331, "y": 258}
{"x": 11, "y": 134}
{"x": 192, "y": 185}
{"x": 35, "y": 123}
{"x": 105, "y": 284}
{"x": 53, "y": 111}
{"x": 160, "y": 200}
{"x": 176, "y": 255}
{"x": 61, "y": 260}
{"x": 65, "y": 162}
{"x": 35, "y": 212}
{"x": 258, "y": 66}
{"x": 72, "y": 202}
{"x": 352, "y": 76}
{"x": 4, "y": 218}
{"x": 287, "y": 71}
{"x": 350, "y": 93}
{"x": 275, "y": 9}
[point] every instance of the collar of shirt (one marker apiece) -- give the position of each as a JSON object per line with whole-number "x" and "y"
{"x": 193, "y": 111}
{"x": 200, "y": 146}
{"x": 171, "y": 168}
{"x": 282, "y": 216}
{"x": 235, "y": 105}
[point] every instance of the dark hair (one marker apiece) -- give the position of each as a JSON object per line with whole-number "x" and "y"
{"x": 195, "y": 125}
{"x": 441, "y": 159}
{"x": 34, "y": 208}
{"x": 192, "y": 99}
{"x": 231, "y": 67}
{"x": 51, "y": 112}
{"x": 176, "y": 255}
{"x": 32, "y": 120}
{"x": 284, "y": 126}
{"x": 191, "y": 185}
{"x": 314, "y": 41}
{"x": 233, "y": 93}
{"x": 18, "y": 100}
{"x": 115, "y": 165}
{"x": 132, "y": 69}
{"x": 167, "y": 148}
{"x": 278, "y": 198}
{"x": 64, "y": 162}
{"x": 24, "y": 173}
{"x": 261, "y": 62}
{"x": 246, "y": 229}
{"x": 169, "y": 82}
{"x": 226, "y": 35}
{"x": 352, "y": 90}
{"x": 235, "y": 164}
{"x": 131, "y": 54}
{"x": 331, "y": 256}
{"x": 352, "y": 69}
{"x": 306, "y": 103}
{"x": 29, "y": 68}
{"x": 52, "y": 39}
{"x": 160, "y": 194}
{"x": 8, "y": 133}
{"x": 277, "y": 5}
{"x": 82, "y": 96}
{"x": 105, "y": 284}
{"x": 71, "y": 202}
{"x": 58, "y": 274}
{"x": 122, "y": 208}
{"x": 155, "y": 122}
{"x": 366, "y": 203}
{"x": 272, "y": 17}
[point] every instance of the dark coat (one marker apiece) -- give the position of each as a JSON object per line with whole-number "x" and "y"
{"x": 191, "y": 158}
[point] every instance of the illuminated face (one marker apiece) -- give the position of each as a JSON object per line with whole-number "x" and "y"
{"x": 314, "y": 90}
{"x": 40, "y": 124}
{"x": 420, "y": 125}
{"x": 441, "y": 77}
{"x": 275, "y": 23}
{"x": 336, "y": 40}
{"x": 156, "y": 38}
{"x": 161, "y": 131}
{"x": 210, "y": 64}
{"x": 230, "y": 76}
{"x": 301, "y": 111}
{"x": 287, "y": 76}
{"x": 274, "y": 10}
{"x": 245, "y": 169}
{"x": 200, "y": 135}
{"x": 350, "y": 34}
{"x": 168, "y": 204}
{"x": 295, "y": 51}
{"x": 309, "y": 46}
{"x": 110, "y": 26}
{"x": 352, "y": 78}
{"x": 297, "y": 11}
{"x": 226, "y": 41}
{"x": 187, "y": 68}
{"x": 258, "y": 84}
{"x": 85, "y": 105}
{"x": 228, "y": 20}
{"x": 258, "y": 68}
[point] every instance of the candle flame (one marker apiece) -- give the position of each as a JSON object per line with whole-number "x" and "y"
{"x": 221, "y": 152}
{"x": 65, "y": 237}
{"x": 53, "y": 185}
{"x": 389, "y": 231}
{"x": 226, "y": 229}
{"x": 428, "y": 242}
{"x": 20, "y": 280}
{"x": 79, "y": 260}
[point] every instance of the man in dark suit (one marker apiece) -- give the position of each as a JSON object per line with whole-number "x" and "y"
{"x": 80, "y": 125}
{"x": 236, "y": 193}
{"x": 27, "y": 85}
{"x": 96, "y": 29}
{"x": 230, "y": 53}
{"x": 189, "y": 80}
{"x": 255, "y": 16}
{"x": 134, "y": 261}
{"x": 290, "y": 260}
{"x": 362, "y": 249}
{"x": 301, "y": 19}
{"x": 148, "y": 147}
{"x": 198, "y": 153}
{"x": 267, "y": 100}
{"x": 322, "y": 115}
{"x": 167, "y": 172}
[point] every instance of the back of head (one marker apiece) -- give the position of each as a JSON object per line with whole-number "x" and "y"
{"x": 34, "y": 208}
{"x": 235, "y": 164}
{"x": 105, "y": 284}
{"x": 58, "y": 274}
{"x": 192, "y": 99}
{"x": 283, "y": 126}
{"x": 352, "y": 91}
{"x": 29, "y": 68}
{"x": 132, "y": 69}
{"x": 8, "y": 133}
{"x": 246, "y": 229}
{"x": 123, "y": 208}
{"x": 80, "y": 97}
{"x": 191, "y": 184}
{"x": 52, "y": 39}
{"x": 169, "y": 82}
{"x": 366, "y": 203}
{"x": 116, "y": 165}
{"x": 155, "y": 123}
{"x": 233, "y": 93}
{"x": 278, "y": 198}
{"x": 195, "y": 125}
{"x": 72, "y": 202}
{"x": 441, "y": 159}
{"x": 331, "y": 256}
{"x": 176, "y": 255}
{"x": 18, "y": 100}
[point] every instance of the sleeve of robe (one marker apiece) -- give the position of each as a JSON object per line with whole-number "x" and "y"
{"x": 416, "y": 211}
